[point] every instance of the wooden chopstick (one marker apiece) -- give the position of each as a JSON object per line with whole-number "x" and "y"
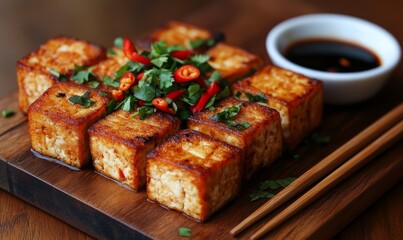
{"x": 325, "y": 166}
{"x": 341, "y": 173}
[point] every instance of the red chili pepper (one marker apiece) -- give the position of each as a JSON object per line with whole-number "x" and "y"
{"x": 140, "y": 103}
{"x": 140, "y": 76}
{"x": 126, "y": 81}
{"x": 186, "y": 73}
{"x": 182, "y": 54}
{"x": 175, "y": 94}
{"x": 128, "y": 47}
{"x": 162, "y": 104}
{"x": 135, "y": 57}
{"x": 205, "y": 97}
{"x": 118, "y": 95}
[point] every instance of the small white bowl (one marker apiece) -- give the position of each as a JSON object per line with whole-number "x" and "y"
{"x": 339, "y": 88}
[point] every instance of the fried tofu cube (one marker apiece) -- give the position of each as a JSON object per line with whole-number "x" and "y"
{"x": 59, "y": 54}
{"x": 194, "y": 173}
{"x": 120, "y": 143}
{"x": 111, "y": 64}
{"x": 58, "y": 127}
{"x": 298, "y": 99}
{"x": 261, "y": 142}
{"x": 233, "y": 63}
{"x": 179, "y": 33}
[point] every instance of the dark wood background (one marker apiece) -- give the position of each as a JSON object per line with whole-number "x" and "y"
{"x": 24, "y": 25}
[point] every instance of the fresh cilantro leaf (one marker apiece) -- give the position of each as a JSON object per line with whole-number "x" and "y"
{"x": 146, "y": 92}
{"x": 199, "y": 59}
{"x": 175, "y": 107}
{"x": 201, "y": 42}
{"x": 7, "y": 113}
{"x": 83, "y": 100}
{"x": 211, "y": 102}
{"x": 262, "y": 191}
{"x": 111, "y": 52}
{"x": 158, "y": 48}
{"x": 110, "y": 82}
{"x": 110, "y": 107}
{"x": 81, "y": 76}
{"x": 150, "y": 76}
{"x": 224, "y": 93}
{"x": 215, "y": 77}
{"x": 128, "y": 104}
{"x": 185, "y": 232}
{"x": 60, "y": 77}
{"x": 173, "y": 48}
{"x": 184, "y": 114}
{"x": 144, "y": 112}
{"x": 118, "y": 43}
{"x": 130, "y": 66}
{"x": 159, "y": 61}
{"x": 191, "y": 100}
{"x": 166, "y": 78}
{"x": 227, "y": 116}
{"x": 260, "y": 97}
{"x": 193, "y": 89}
{"x": 93, "y": 84}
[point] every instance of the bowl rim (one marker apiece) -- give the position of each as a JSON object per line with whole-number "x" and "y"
{"x": 276, "y": 56}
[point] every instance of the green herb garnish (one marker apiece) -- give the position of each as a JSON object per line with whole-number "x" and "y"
{"x": 82, "y": 75}
{"x": 201, "y": 42}
{"x": 60, "y": 77}
{"x": 320, "y": 139}
{"x": 7, "y": 113}
{"x": 93, "y": 84}
{"x": 262, "y": 191}
{"x": 110, "y": 107}
{"x": 83, "y": 100}
{"x": 118, "y": 43}
{"x": 260, "y": 97}
{"x": 111, "y": 52}
{"x": 228, "y": 117}
{"x": 185, "y": 232}
{"x": 144, "y": 112}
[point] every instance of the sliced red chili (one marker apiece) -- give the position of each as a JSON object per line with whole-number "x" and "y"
{"x": 205, "y": 97}
{"x": 118, "y": 95}
{"x": 135, "y": 57}
{"x": 162, "y": 105}
{"x": 175, "y": 94}
{"x": 140, "y": 103}
{"x": 201, "y": 82}
{"x": 186, "y": 73}
{"x": 126, "y": 81}
{"x": 128, "y": 47}
{"x": 182, "y": 54}
{"x": 140, "y": 76}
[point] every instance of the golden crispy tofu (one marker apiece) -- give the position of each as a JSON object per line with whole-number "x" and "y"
{"x": 111, "y": 64}
{"x": 179, "y": 33}
{"x": 231, "y": 62}
{"x": 60, "y": 54}
{"x": 120, "y": 143}
{"x": 194, "y": 173}
{"x": 58, "y": 128}
{"x": 261, "y": 142}
{"x": 298, "y": 99}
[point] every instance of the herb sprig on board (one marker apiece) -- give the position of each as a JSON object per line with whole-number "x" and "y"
{"x": 266, "y": 188}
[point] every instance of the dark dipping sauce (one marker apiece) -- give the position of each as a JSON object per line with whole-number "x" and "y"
{"x": 330, "y": 55}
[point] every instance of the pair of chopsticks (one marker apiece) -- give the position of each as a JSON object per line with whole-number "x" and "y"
{"x": 393, "y": 120}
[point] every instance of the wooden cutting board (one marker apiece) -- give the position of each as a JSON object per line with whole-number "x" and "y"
{"x": 104, "y": 209}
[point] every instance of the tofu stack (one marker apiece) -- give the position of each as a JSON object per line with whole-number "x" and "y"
{"x": 60, "y": 54}
{"x": 298, "y": 99}
{"x": 194, "y": 173}
{"x": 261, "y": 143}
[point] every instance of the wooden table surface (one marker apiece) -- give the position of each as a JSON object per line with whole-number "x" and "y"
{"x": 245, "y": 24}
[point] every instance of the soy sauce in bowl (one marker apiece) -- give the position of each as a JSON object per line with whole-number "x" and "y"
{"x": 330, "y": 55}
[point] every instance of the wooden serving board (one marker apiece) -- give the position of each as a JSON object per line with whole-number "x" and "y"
{"x": 103, "y": 209}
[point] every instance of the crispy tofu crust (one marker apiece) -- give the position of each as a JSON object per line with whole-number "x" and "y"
{"x": 179, "y": 33}
{"x": 194, "y": 173}
{"x": 261, "y": 143}
{"x": 58, "y": 128}
{"x": 232, "y": 62}
{"x": 298, "y": 99}
{"x": 59, "y": 53}
{"x": 120, "y": 143}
